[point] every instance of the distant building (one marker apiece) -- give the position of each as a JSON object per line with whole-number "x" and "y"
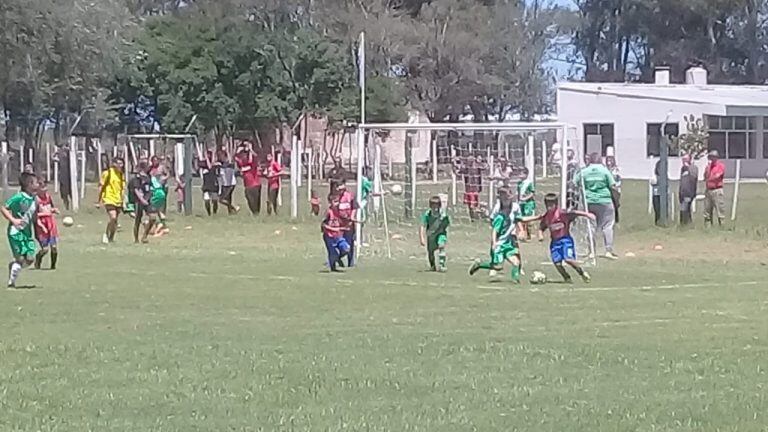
{"x": 629, "y": 117}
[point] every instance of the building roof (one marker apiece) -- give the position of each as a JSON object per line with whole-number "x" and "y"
{"x": 730, "y": 99}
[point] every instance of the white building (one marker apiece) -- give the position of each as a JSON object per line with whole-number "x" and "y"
{"x": 629, "y": 117}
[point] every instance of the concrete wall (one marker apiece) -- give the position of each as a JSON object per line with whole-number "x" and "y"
{"x": 630, "y": 117}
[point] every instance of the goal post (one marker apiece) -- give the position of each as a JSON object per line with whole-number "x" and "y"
{"x": 431, "y": 159}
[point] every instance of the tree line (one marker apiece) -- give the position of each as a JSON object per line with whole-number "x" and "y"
{"x": 249, "y": 65}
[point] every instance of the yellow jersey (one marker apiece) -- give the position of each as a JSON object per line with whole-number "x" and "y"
{"x": 113, "y": 183}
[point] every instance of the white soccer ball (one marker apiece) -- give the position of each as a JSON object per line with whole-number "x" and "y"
{"x": 68, "y": 221}
{"x": 538, "y": 278}
{"x": 396, "y": 189}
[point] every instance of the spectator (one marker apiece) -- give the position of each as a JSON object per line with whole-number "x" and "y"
{"x": 656, "y": 193}
{"x": 598, "y": 182}
{"x": 572, "y": 188}
{"x": 65, "y": 182}
{"x": 227, "y": 181}
{"x": 610, "y": 163}
{"x": 248, "y": 164}
{"x": 689, "y": 179}
{"x": 274, "y": 171}
{"x": 502, "y": 174}
{"x": 714, "y": 175}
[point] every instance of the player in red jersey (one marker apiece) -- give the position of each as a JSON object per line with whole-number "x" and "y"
{"x": 334, "y": 227}
{"x": 46, "y": 231}
{"x": 562, "y": 248}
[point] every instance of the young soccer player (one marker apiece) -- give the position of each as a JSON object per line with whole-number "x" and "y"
{"x": 19, "y": 211}
{"x": 349, "y": 211}
{"x": 504, "y": 245}
{"x": 433, "y": 233}
{"x": 526, "y": 193}
{"x": 46, "y": 231}
{"x": 140, "y": 190}
{"x": 158, "y": 199}
{"x": 562, "y": 249}
{"x": 111, "y": 197}
{"x": 333, "y": 227}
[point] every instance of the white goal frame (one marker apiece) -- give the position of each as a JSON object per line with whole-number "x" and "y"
{"x": 558, "y": 127}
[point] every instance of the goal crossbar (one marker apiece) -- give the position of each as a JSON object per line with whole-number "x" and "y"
{"x": 522, "y": 126}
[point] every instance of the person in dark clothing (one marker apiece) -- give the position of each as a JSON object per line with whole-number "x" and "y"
{"x": 65, "y": 182}
{"x": 209, "y": 171}
{"x": 689, "y": 181}
{"x": 656, "y": 193}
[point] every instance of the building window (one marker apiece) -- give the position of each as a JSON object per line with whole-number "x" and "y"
{"x": 604, "y": 131}
{"x": 653, "y": 138}
{"x": 734, "y": 137}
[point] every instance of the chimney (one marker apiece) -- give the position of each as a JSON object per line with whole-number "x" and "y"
{"x": 661, "y": 75}
{"x": 696, "y": 75}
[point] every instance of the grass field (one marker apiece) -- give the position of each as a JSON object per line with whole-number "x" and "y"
{"x": 233, "y": 324}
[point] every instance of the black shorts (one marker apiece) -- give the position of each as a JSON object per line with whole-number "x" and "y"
{"x": 142, "y": 210}
{"x": 110, "y": 208}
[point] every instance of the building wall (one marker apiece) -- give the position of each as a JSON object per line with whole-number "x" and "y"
{"x": 630, "y": 117}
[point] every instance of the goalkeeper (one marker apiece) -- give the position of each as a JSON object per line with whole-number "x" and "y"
{"x": 504, "y": 245}
{"x": 433, "y": 233}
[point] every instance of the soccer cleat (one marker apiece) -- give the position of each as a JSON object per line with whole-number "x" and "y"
{"x": 105, "y": 239}
{"x": 442, "y": 269}
{"x": 586, "y": 277}
{"x": 474, "y": 268}
{"x": 611, "y": 256}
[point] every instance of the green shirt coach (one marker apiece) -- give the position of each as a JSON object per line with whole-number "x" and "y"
{"x": 598, "y": 182}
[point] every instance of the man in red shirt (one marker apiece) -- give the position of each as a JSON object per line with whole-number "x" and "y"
{"x": 274, "y": 171}
{"x": 248, "y": 164}
{"x": 714, "y": 175}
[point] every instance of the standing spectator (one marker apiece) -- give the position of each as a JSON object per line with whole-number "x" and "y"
{"x": 689, "y": 180}
{"x": 598, "y": 182}
{"x": 209, "y": 171}
{"x": 573, "y": 188}
{"x": 656, "y": 193}
{"x": 227, "y": 182}
{"x": 473, "y": 184}
{"x": 65, "y": 182}
{"x": 248, "y": 164}
{"x": 714, "y": 175}
{"x": 502, "y": 174}
{"x": 274, "y": 171}
{"x": 336, "y": 173}
{"x": 610, "y": 163}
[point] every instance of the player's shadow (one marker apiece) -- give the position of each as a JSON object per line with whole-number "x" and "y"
{"x": 25, "y": 287}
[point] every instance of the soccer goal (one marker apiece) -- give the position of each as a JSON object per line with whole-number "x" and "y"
{"x": 465, "y": 164}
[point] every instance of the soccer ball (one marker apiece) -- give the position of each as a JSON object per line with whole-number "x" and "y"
{"x": 68, "y": 221}
{"x": 396, "y": 189}
{"x": 538, "y": 278}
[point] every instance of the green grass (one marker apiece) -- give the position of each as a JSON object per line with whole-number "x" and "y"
{"x": 230, "y": 325}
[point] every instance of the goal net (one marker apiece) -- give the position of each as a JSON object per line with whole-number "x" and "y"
{"x": 465, "y": 165}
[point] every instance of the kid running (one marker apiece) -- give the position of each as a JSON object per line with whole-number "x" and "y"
{"x": 562, "y": 249}
{"x": 19, "y": 211}
{"x": 46, "y": 231}
{"x": 433, "y": 233}
{"x": 333, "y": 233}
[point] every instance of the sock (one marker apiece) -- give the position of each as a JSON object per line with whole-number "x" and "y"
{"x": 15, "y": 270}
{"x": 578, "y": 269}
{"x": 441, "y": 256}
{"x": 431, "y": 256}
{"x": 486, "y": 266}
{"x": 208, "y": 207}
{"x": 563, "y": 272}
{"x": 215, "y": 207}
{"x": 516, "y": 273}
{"x": 39, "y": 259}
{"x": 54, "y": 258}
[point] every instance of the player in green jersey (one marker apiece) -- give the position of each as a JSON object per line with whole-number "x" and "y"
{"x": 504, "y": 246}
{"x": 20, "y": 211}
{"x": 433, "y": 233}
